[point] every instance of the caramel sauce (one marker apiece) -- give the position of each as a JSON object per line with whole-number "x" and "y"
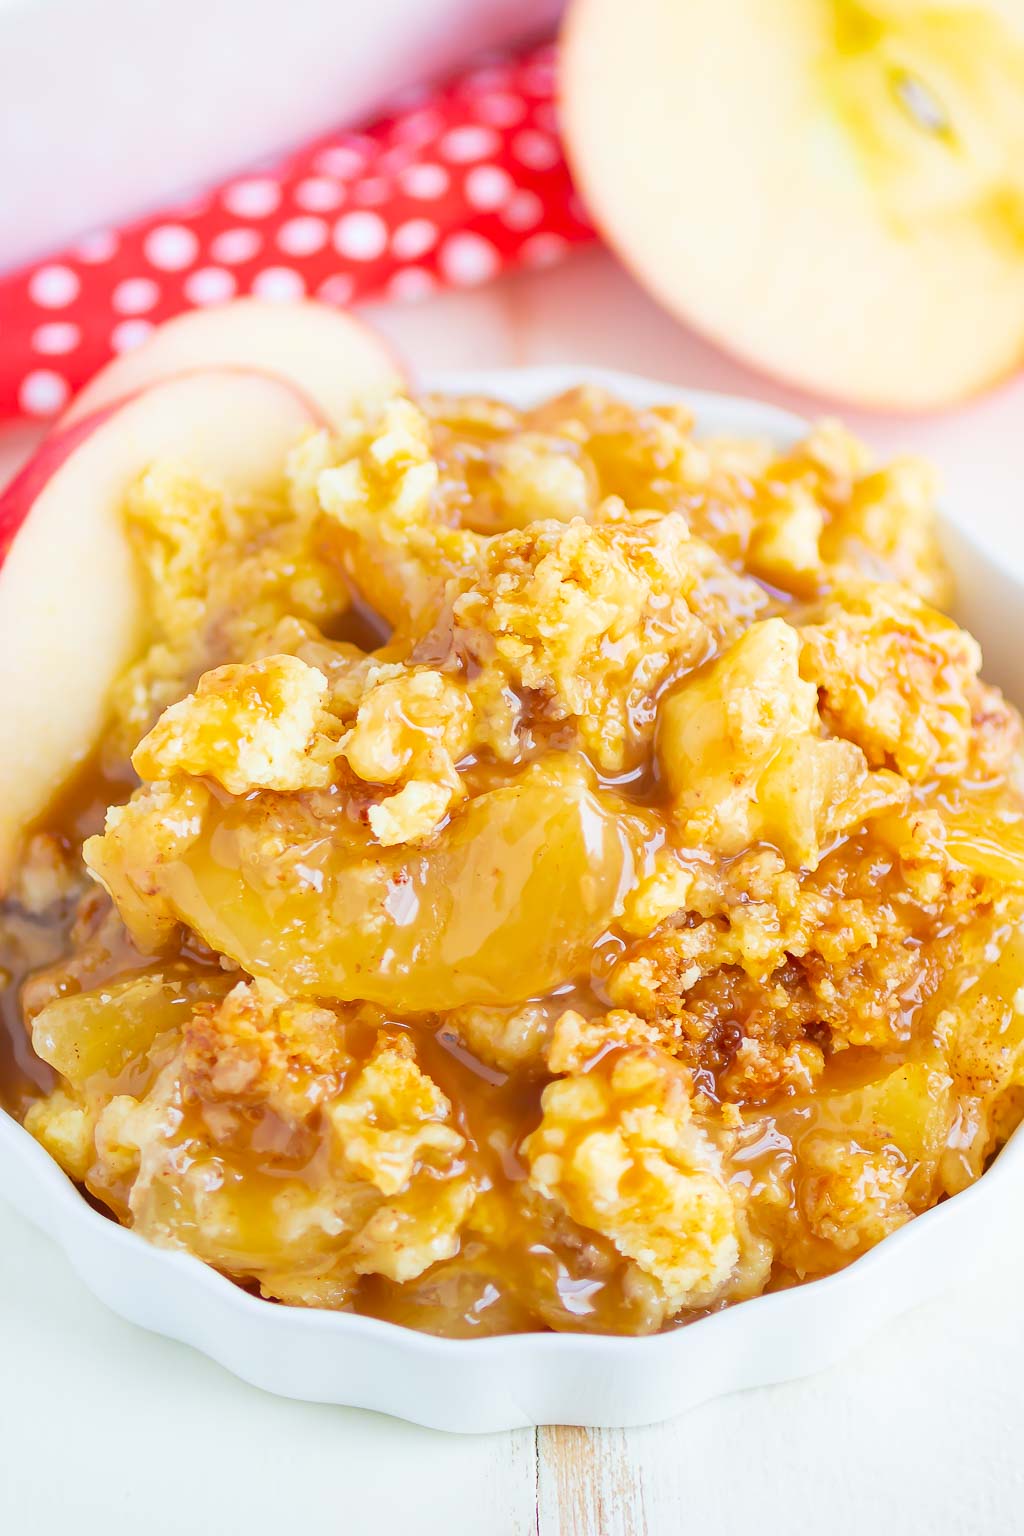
{"x": 33, "y": 942}
{"x": 26, "y": 946}
{"x": 786, "y": 1035}
{"x": 529, "y": 1278}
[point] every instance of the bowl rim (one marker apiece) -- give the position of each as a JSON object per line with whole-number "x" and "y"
{"x": 50, "y": 1201}
{"x": 49, "y": 1178}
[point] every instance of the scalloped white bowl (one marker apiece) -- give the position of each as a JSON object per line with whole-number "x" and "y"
{"x": 481, "y": 1385}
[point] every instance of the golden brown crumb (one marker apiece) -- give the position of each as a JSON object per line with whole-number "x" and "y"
{"x": 248, "y": 727}
{"x": 577, "y": 882}
{"x": 619, "y": 1151}
{"x": 260, "y": 1046}
{"x": 894, "y": 676}
{"x": 743, "y": 753}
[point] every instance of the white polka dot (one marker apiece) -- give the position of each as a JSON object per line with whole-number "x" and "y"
{"x": 536, "y": 150}
{"x": 523, "y": 210}
{"x": 236, "y": 245}
{"x": 413, "y": 239}
{"x": 302, "y": 237}
{"x": 53, "y": 287}
{"x": 425, "y": 181}
{"x": 56, "y": 338}
{"x": 341, "y": 160}
{"x": 98, "y": 247}
{"x": 336, "y": 289}
{"x": 418, "y": 127}
{"x": 42, "y": 393}
{"x": 488, "y": 186}
{"x": 210, "y": 285}
{"x": 545, "y": 115}
{"x": 543, "y": 250}
{"x": 170, "y": 247}
{"x": 281, "y": 285}
{"x": 256, "y": 198}
{"x": 360, "y": 236}
{"x": 319, "y": 194}
{"x": 467, "y": 258}
{"x": 411, "y": 284}
{"x": 130, "y": 334}
{"x": 500, "y": 109}
{"x": 135, "y": 296}
{"x": 472, "y": 142}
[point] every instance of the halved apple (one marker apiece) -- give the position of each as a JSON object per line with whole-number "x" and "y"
{"x": 332, "y": 358}
{"x": 832, "y": 189}
{"x": 70, "y": 609}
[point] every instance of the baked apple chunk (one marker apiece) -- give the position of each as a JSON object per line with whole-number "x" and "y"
{"x": 539, "y": 870}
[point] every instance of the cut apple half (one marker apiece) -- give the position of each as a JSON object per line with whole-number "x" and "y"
{"x": 831, "y": 189}
{"x": 70, "y": 608}
{"x": 335, "y": 360}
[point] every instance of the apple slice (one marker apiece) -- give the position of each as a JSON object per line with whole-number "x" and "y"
{"x": 831, "y": 189}
{"x": 70, "y": 609}
{"x": 332, "y": 358}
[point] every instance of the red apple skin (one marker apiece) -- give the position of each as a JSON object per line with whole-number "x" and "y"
{"x": 32, "y": 767}
{"x": 60, "y": 443}
{"x": 221, "y": 337}
{"x": 18, "y": 495}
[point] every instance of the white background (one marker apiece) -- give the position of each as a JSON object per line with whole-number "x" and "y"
{"x": 107, "y": 1430}
{"x": 253, "y": 76}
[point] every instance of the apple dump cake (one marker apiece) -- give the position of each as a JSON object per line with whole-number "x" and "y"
{"x": 542, "y": 870}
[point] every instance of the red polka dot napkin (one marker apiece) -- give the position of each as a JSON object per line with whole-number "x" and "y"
{"x": 451, "y": 188}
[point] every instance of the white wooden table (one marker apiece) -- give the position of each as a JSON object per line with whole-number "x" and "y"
{"x": 106, "y": 1431}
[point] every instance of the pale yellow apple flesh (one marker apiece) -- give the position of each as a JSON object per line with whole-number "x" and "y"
{"x": 70, "y": 616}
{"x": 422, "y": 929}
{"x": 832, "y": 190}
{"x": 334, "y": 360}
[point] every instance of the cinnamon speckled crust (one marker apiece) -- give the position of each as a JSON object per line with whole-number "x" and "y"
{"x": 577, "y": 879}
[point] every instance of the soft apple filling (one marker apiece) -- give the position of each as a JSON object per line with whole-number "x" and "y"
{"x": 567, "y": 875}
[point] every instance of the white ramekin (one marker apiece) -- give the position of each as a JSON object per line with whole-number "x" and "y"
{"x": 480, "y": 1385}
